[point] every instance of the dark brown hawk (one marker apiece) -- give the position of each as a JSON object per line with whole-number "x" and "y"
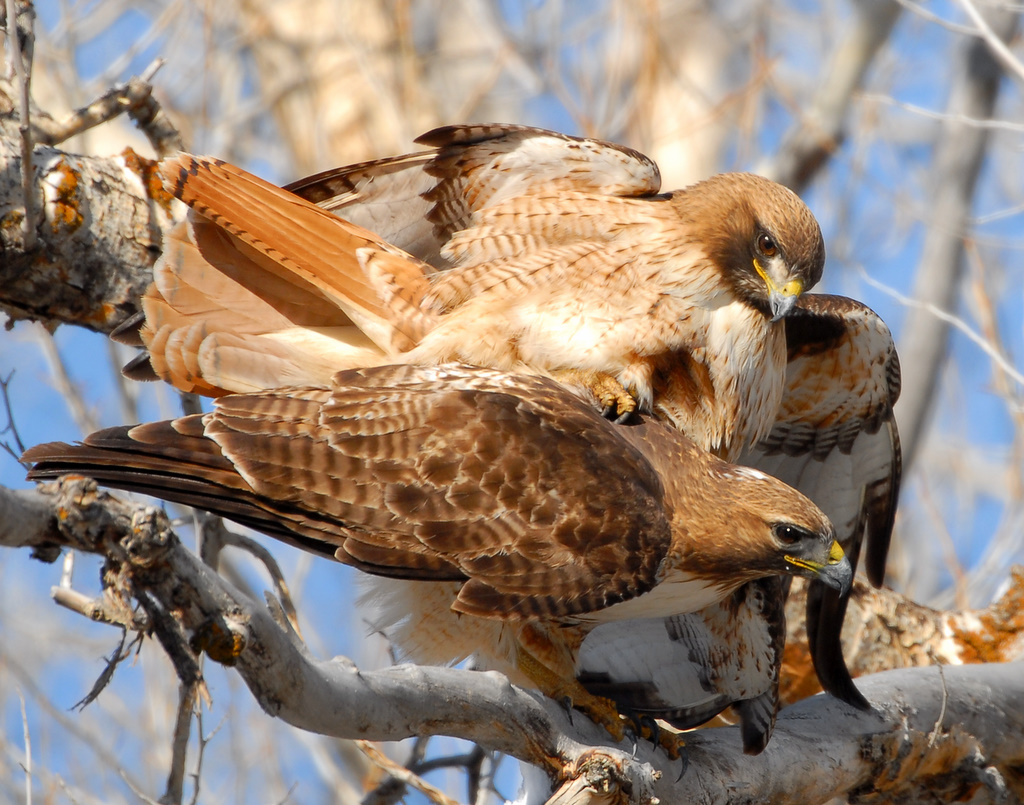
{"x": 508, "y": 515}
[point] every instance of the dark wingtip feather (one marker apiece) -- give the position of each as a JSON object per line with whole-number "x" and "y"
{"x": 825, "y": 612}
{"x": 757, "y": 721}
{"x": 140, "y": 368}
{"x": 128, "y": 331}
{"x": 883, "y": 516}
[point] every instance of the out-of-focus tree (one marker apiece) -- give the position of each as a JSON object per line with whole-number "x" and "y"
{"x": 900, "y": 124}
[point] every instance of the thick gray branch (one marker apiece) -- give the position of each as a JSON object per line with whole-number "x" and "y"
{"x": 27, "y": 520}
{"x": 933, "y": 730}
{"x": 958, "y": 157}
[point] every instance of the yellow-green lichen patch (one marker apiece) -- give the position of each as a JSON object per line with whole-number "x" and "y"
{"x": 996, "y": 631}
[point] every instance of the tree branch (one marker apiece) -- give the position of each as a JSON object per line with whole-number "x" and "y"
{"x": 21, "y": 43}
{"x": 820, "y": 131}
{"x": 98, "y": 236}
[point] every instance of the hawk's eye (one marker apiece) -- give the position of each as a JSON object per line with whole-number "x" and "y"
{"x": 766, "y": 245}
{"x": 788, "y": 534}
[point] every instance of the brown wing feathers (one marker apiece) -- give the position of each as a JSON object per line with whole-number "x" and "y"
{"x": 488, "y": 488}
{"x": 304, "y": 478}
{"x": 836, "y": 422}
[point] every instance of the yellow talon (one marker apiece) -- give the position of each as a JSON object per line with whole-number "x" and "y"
{"x": 615, "y": 400}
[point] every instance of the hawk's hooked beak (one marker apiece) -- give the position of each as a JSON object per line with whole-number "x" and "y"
{"x": 782, "y": 299}
{"x": 837, "y": 572}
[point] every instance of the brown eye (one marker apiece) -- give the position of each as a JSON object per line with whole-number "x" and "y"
{"x": 788, "y": 534}
{"x": 766, "y": 245}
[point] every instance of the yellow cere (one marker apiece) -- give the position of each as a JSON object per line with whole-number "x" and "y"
{"x": 793, "y": 288}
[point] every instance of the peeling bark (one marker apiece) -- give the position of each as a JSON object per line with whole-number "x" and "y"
{"x": 884, "y": 630}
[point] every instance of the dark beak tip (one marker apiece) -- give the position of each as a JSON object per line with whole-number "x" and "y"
{"x": 839, "y": 577}
{"x": 781, "y": 305}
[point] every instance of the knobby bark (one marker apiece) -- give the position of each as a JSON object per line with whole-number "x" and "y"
{"x": 100, "y": 226}
{"x": 98, "y": 234}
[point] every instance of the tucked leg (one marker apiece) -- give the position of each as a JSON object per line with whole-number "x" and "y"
{"x": 615, "y": 401}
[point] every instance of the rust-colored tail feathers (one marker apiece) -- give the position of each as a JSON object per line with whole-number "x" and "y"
{"x": 259, "y": 288}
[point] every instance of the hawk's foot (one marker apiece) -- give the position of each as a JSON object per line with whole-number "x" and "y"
{"x": 650, "y": 730}
{"x": 600, "y": 710}
{"x": 615, "y": 400}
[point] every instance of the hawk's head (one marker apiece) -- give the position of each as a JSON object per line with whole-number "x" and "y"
{"x": 767, "y": 528}
{"x": 760, "y": 235}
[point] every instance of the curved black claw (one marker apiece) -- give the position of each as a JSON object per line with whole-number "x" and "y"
{"x": 684, "y": 764}
{"x": 611, "y": 411}
{"x": 622, "y": 419}
{"x": 566, "y": 702}
{"x": 825, "y": 612}
{"x": 649, "y": 728}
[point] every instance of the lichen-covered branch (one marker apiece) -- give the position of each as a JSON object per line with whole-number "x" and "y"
{"x": 98, "y": 236}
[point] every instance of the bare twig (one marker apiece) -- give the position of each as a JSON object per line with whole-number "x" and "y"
{"x": 924, "y": 13}
{"x": 150, "y": 117}
{"x": 281, "y": 588}
{"x": 20, "y": 43}
{"x": 946, "y": 117}
{"x": 174, "y": 791}
{"x": 101, "y": 610}
{"x": 201, "y": 740}
{"x": 62, "y": 382}
{"x": 481, "y": 769}
{"x": 957, "y": 163}
{"x": 819, "y": 132}
{"x": 10, "y": 427}
{"x": 931, "y": 309}
{"x": 464, "y": 760}
{"x": 399, "y": 772}
{"x": 127, "y": 390}
{"x": 393, "y": 789}
{"x": 121, "y": 653}
{"x": 933, "y": 736}
{"x": 1002, "y": 53}
{"x": 98, "y": 748}
{"x": 28, "y": 751}
{"x": 1014, "y": 397}
{"x": 134, "y": 97}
